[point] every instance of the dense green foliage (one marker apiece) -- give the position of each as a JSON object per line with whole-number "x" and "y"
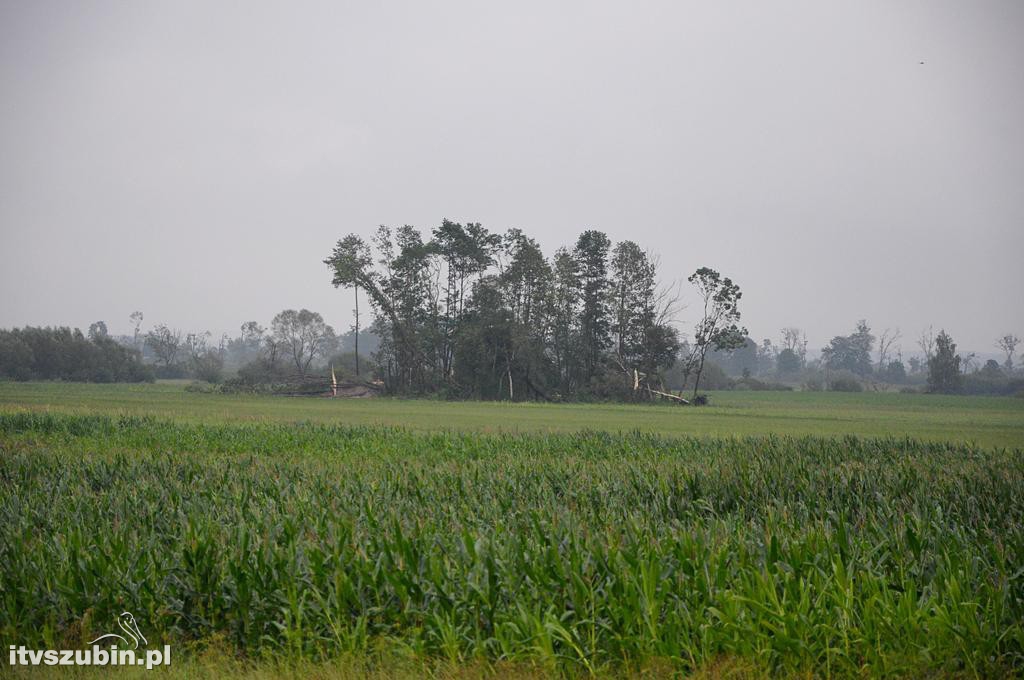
{"x": 850, "y": 352}
{"x": 944, "y": 366}
{"x": 64, "y": 354}
{"x": 469, "y": 313}
{"x": 584, "y": 552}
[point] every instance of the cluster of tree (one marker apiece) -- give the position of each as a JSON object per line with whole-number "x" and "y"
{"x": 470, "y": 313}
{"x": 297, "y": 342}
{"x": 849, "y": 362}
{"x": 67, "y": 354}
{"x": 859, "y": 361}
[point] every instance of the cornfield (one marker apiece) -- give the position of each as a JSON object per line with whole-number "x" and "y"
{"x": 578, "y": 553}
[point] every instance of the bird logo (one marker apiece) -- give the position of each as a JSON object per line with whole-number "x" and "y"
{"x": 127, "y": 623}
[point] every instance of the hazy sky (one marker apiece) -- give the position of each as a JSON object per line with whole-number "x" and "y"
{"x": 197, "y": 161}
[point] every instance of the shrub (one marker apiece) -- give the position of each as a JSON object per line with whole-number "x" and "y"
{"x": 208, "y": 366}
{"x": 814, "y": 383}
{"x": 172, "y": 372}
{"x": 980, "y": 383}
{"x": 756, "y": 385}
{"x": 844, "y": 381}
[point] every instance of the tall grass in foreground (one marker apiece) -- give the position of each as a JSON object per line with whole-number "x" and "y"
{"x": 577, "y": 553}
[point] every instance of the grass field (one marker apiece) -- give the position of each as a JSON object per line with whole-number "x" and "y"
{"x": 491, "y": 539}
{"x": 989, "y": 421}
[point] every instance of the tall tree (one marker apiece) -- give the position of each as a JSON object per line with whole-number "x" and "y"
{"x": 392, "y": 294}
{"x": 415, "y": 289}
{"x": 524, "y": 284}
{"x": 97, "y": 329}
{"x": 205, "y": 361}
{"x": 164, "y": 343}
{"x": 252, "y": 334}
{"x": 564, "y": 304}
{"x": 926, "y": 341}
{"x": 642, "y": 345}
{"x": 465, "y": 252}
{"x": 136, "y": 319}
{"x": 632, "y": 300}
{"x": 717, "y": 328}
{"x": 851, "y": 352}
{"x": 1008, "y": 344}
{"x": 303, "y": 334}
{"x": 944, "y": 366}
{"x": 486, "y": 355}
{"x": 885, "y": 343}
{"x": 525, "y": 279}
{"x": 787, "y": 362}
{"x": 794, "y": 346}
{"x": 350, "y": 261}
{"x": 591, "y": 254}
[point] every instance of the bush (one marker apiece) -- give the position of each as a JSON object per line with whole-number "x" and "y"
{"x": 713, "y": 378}
{"x": 895, "y": 373}
{"x": 844, "y": 381}
{"x": 172, "y": 372}
{"x": 980, "y": 383}
{"x": 208, "y": 366}
{"x": 756, "y": 385}
{"x": 814, "y": 383}
{"x": 257, "y": 376}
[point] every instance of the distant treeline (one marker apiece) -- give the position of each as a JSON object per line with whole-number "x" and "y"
{"x": 65, "y": 354}
{"x": 461, "y": 312}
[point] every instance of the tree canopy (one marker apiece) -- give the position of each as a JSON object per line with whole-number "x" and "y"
{"x": 467, "y": 312}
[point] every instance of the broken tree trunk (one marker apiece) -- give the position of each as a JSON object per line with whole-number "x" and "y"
{"x": 667, "y": 395}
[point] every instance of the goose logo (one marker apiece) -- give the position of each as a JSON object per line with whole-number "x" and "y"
{"x": 110, "y": 649}
{"x": 127, "y": 623}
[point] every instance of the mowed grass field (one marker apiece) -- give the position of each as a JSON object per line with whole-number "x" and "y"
{"x": 988, "y": 421}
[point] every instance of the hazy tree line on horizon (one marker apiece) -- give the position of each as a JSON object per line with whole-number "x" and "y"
{"x": 466, "y": 313}
{"x": 298, "y": 341}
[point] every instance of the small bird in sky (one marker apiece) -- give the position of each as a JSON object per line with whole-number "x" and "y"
{"x": 921, "y": 63}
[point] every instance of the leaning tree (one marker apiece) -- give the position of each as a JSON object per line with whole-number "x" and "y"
{"x": 717, "y": 328}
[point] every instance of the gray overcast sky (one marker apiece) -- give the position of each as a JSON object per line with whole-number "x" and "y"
{"x": 197, "y": 160}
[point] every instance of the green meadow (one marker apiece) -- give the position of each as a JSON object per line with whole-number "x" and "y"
{"x": 988, "y": 421}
